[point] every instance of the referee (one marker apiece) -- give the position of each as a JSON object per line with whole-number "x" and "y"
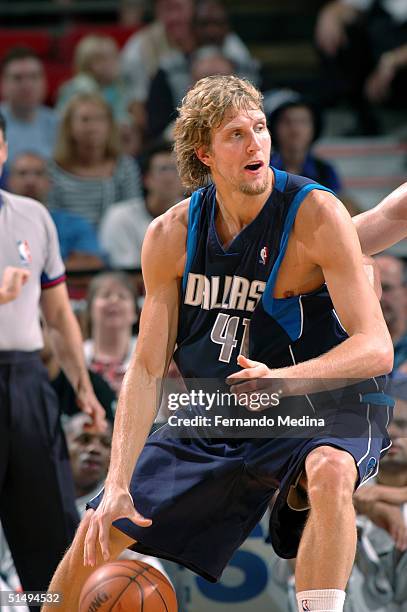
{"x": 37, "y": 501}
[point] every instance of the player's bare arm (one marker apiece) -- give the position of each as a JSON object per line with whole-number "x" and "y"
{"x": 67, "y": 342}
{"x": 327, "y": 248}
{"x": 163, "y": 260}
{"x": 385, "y": 224}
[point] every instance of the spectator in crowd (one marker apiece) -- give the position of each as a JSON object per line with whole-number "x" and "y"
{"x": 211, "y": 26}
{"x": 23, "y": 86}
{"x": 217, "y": 50}
{"x": 141, "y": 56}
{"x": 394, "y": 305}
{"x": 166, "y": 93}
{"x": 80, "y": 250}
{"x": 112, "y": 314}
{"x": 379, "y": 577}
{"x": 131, "y": 12}
{"x": 364, "y": 49}
{"x": 88, "y": 173}
{"x": 124, "y": 225}
{"x": 63, "y": 388}
{"x": 96, "y": 64}
{"x": 89, "y": 452}
{"x": 295, "y": 124}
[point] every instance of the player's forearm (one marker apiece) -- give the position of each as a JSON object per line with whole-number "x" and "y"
{"x": 136, "y": 410}
{"x": 385, "y": 225}
{"x": 357, "y": 358}
{"x": 67, "y": 343}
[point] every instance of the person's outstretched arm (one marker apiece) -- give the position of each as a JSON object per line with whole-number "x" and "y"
{"x": 66, "y": 339}
{"x": 385, "y": 224}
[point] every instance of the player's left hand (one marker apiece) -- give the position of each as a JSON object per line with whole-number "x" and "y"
{"x": 253, "y": 379}
{"x": 89, "y": 404}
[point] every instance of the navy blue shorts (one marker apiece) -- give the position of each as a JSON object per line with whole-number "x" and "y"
{"x": 205, "y": 496}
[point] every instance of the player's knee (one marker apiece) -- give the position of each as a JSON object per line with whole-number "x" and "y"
{"x": 330, "y": 473}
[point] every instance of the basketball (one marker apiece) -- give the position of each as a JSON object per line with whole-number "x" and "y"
{"x": 127, "y": 586}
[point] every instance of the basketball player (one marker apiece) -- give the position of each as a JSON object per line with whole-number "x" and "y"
{"x": 254, "y": 244}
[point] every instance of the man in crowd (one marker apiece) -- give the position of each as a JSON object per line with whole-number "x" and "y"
{"x": 23, "y": 87}
{"x": 125, "y": 224}
{"x": 394, "y": 304}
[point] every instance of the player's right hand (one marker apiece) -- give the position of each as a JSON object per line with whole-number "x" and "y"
{"x": 116, "y": 503}
{"x": 12, "y": 283}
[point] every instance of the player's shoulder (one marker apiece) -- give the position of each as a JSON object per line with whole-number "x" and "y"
{"x": 171, "y": 225}
{"x": 321, "y": 207}
{"x": 166, "y": 238}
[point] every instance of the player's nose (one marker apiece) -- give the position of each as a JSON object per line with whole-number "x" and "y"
{"x": 254, "y": 142}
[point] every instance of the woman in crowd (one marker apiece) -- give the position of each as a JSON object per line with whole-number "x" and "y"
{"x": 112, "y": 314}
{"x": 89, "y": 173}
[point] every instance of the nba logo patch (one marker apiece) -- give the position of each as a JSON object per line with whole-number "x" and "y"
{"x": 264, "y": 255}
{"x": 305, "y": 605}
{"x": 24, "y": 252}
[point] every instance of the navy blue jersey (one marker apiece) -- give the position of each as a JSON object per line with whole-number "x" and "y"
{"x": 227, "y": 308}
{"x": 227, "y": 294}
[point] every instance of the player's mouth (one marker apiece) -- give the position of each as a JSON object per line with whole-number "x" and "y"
{"x": 254, "y": 167}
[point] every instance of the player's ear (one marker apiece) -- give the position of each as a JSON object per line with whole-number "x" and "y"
{"x": 203, "y": 154}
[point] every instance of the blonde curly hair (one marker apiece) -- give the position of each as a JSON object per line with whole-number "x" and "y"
{"x": 203, "y": 109}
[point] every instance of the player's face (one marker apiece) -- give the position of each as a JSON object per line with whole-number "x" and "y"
{"x": 113, "y": 307}
{"x": 239, "y": 153}
{"x": 396, "y": 456}
{"x": 89, "y": 453}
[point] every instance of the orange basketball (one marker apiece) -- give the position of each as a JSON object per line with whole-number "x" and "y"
{"x": 127, "y": 586}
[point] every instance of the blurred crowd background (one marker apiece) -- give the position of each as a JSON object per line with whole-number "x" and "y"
{"x": 89, "y": 90}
